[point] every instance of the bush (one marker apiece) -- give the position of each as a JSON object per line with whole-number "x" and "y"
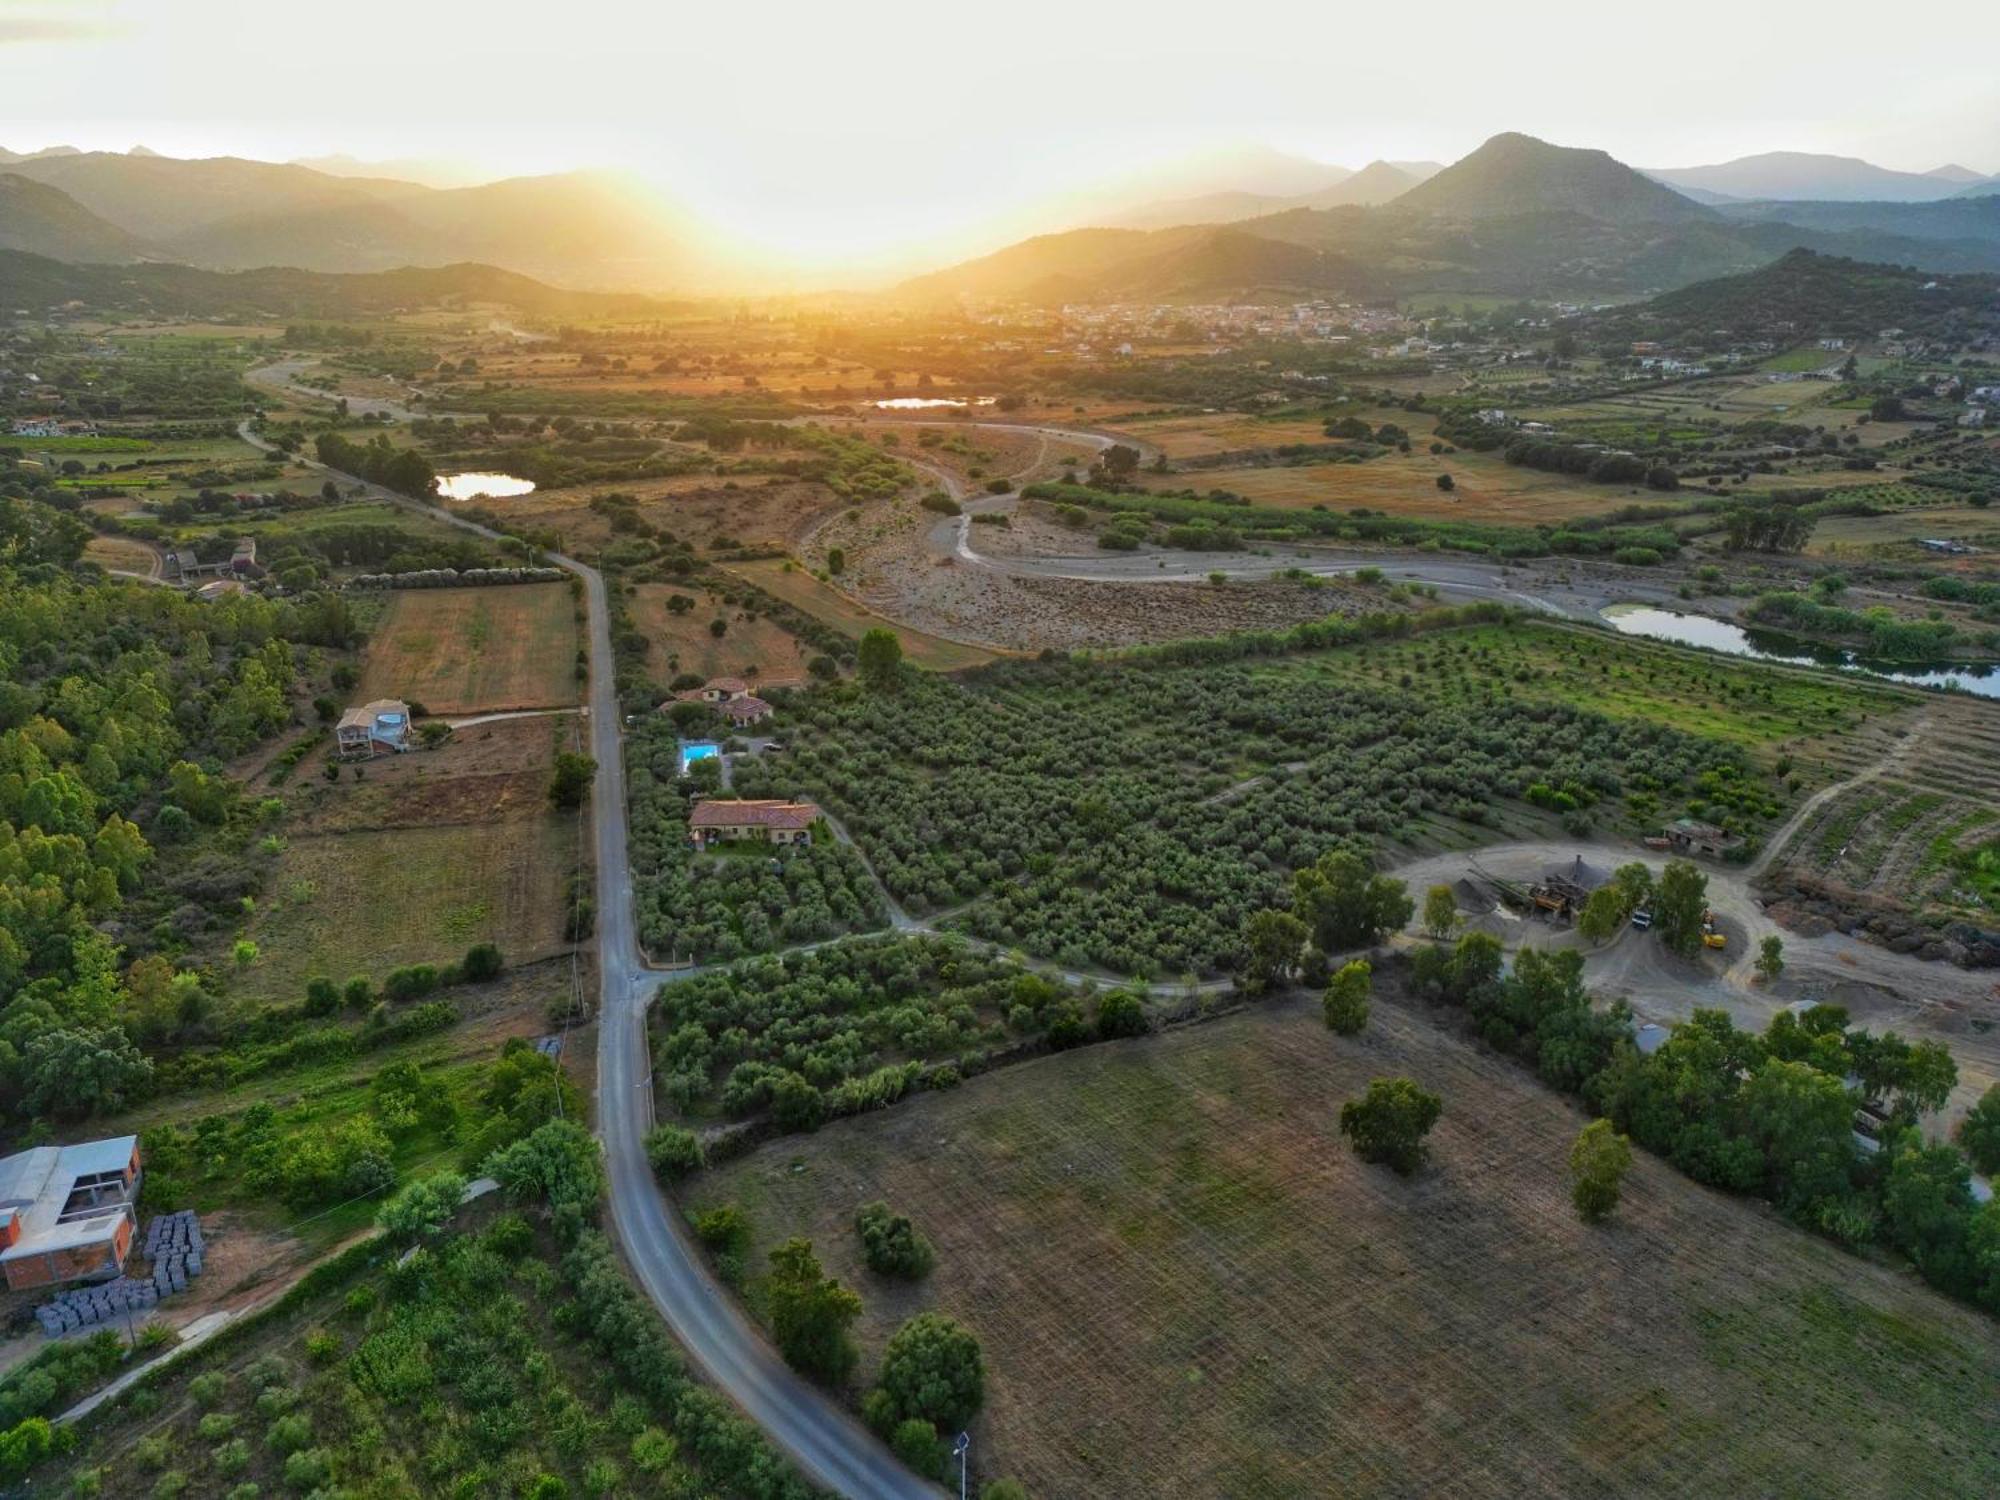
{"x": 1345, "y": 1003}
{"x": 481, "y": 964}
{"x": 1121, "y": 1014}
{"x": 674, "y": 1152}
{"x": 1389, "y": 1122}
{"x": 918, "y": 1445}
{"x": 412, "y": 982}
{"x": 890, "y": 1243}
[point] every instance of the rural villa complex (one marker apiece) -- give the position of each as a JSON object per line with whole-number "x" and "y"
{"x": 769, "y": 822}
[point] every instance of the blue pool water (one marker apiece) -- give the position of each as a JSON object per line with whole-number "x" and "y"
{"x": 702, "y": 750}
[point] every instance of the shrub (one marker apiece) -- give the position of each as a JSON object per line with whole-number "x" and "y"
{"x": 412, "y": 982}
{"x": 1121, "y": 1014}
{"x": 482, "y": 963}
{"x": 890, "y": 1243}
{"x": 1345, "y": 1003}
{"x": 918, "y": 1445}
{"x": 674, "y": 1152}
{"x": 1389, "y": 1122}
{"x": 1598, "y": 1161}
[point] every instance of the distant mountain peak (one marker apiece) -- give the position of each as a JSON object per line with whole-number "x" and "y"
{"x": 1806, "y": 176}
{"x": 1951, "y": 171}
{"x": 1517, "y": 174}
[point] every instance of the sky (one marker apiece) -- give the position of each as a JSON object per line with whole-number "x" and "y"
{"x": 853, "y": 133}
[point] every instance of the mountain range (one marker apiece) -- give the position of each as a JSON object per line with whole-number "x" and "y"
{"x": 583, "y": 229}
{"x": 1516, "y": 217}
{"x": 1795, "y": 176}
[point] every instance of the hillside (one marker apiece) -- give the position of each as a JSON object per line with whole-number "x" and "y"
{"x": 1517, "y": 217}
{"x": 160, "y": 197}
{"x": 1803, "y": 295}
{"x": 1803, "y": 175}
{"x": 583, "y": 228}
{"x": 43, "y": 220}
{"x": 228, "y": 213}
{"x": 1378, "y": 182}
{"x": 1514, "y": 173}
{"x": 36, "y": 281}
{"x": 1950, "y": 219}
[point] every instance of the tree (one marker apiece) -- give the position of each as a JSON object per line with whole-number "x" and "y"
{"x": 1771, "y": 957}
{"x": 890, "y": 1243}
{"x": 1602, "y": 916}
{"x": 836, "y": 561}
{"x": 422, "y": 1209}
{"x": 673, "y": 1152}
{"x": 322, "y": 996}
{"x": 1440, "y": 912}
{"x": 932, "y": 1371}
{"x": 571, "y": 781}
{"x": 1446, "y": 483}
{"x": 1120, "y": 461}
{"x": 1346, "y": 1000}
{"x": 1345, "y": 905}
{"x": 1273, "y": 942}
{"x": 1979, "y": 1132}
{"x": 1678, "y": 905}
{"x": 1927, "y": 1209}
{"x": 810, "y": 1313}
{"x": 1389, "y": 1122}
{"x": 879, "y": 659}
{"x": 1598, "y": 1161}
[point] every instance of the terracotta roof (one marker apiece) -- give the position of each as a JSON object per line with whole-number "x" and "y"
{"x": 783, "y": 815}
{"x": 749, "y": 706}
{"x": 727, "y": 685}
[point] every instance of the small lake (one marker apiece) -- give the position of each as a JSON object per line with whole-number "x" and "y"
{"x": 473, "y": 484}
{"x": 1981, "y": 679}
{"x": 929, "y": 403}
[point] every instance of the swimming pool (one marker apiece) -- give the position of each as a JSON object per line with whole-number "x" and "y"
{"x": 698, "y": 750}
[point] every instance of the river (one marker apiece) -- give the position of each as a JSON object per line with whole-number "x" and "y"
{"x": 1980, "y": 679}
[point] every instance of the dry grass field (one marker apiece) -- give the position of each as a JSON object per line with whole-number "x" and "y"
{"x": 422, "y": 857}
{"x": 480, "y": 650}
{"x": 1837, "y": 536}
{"x": 1224, "y": 432}
{"x": 759, "y": 650}
{"x": 122, "y": 554}
{"x": 800, "y": 589}
{"x": 1186, "y": 1285}
{"x": 1488, "y": 488}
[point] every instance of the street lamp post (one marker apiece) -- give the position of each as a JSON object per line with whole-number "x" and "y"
{"x": 959, "y": 1451}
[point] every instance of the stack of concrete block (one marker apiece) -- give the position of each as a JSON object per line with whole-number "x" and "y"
{"x": 106, "y": 1302}
{"x": 174, "y": 1246}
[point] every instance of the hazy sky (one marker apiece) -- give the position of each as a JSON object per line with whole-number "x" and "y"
{"x": 849, "y": 128}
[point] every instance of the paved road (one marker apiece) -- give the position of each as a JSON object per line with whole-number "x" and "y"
{"x": 833, "y": 1449}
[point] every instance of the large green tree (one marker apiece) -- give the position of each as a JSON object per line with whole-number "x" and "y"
{"x": 1678, "y": 903}
{"x": 810, "y": 1313}
{"x": 1345, "y": 904}
{"x": 1389, "y": 1122}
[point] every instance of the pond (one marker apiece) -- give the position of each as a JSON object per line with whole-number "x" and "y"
{"x": 929, "y": 403}
{"x": 1981, "y": 679}
{"x": 476, "y": 483}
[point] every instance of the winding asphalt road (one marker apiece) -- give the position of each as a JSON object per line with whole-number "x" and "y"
{"x": 829, "y": 1446}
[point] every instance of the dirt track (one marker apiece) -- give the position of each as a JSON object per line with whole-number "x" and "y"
{"x": 1882, "y": 990}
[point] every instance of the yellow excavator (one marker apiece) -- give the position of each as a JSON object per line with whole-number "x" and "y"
{"x": 1710, "y": 938}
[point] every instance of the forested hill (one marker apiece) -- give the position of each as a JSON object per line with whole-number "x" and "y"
{"x": 1803, "y": 295}
{"x": 35, "y": 282}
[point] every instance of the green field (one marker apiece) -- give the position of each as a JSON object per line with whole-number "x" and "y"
{"x": 1744, "y": 704}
